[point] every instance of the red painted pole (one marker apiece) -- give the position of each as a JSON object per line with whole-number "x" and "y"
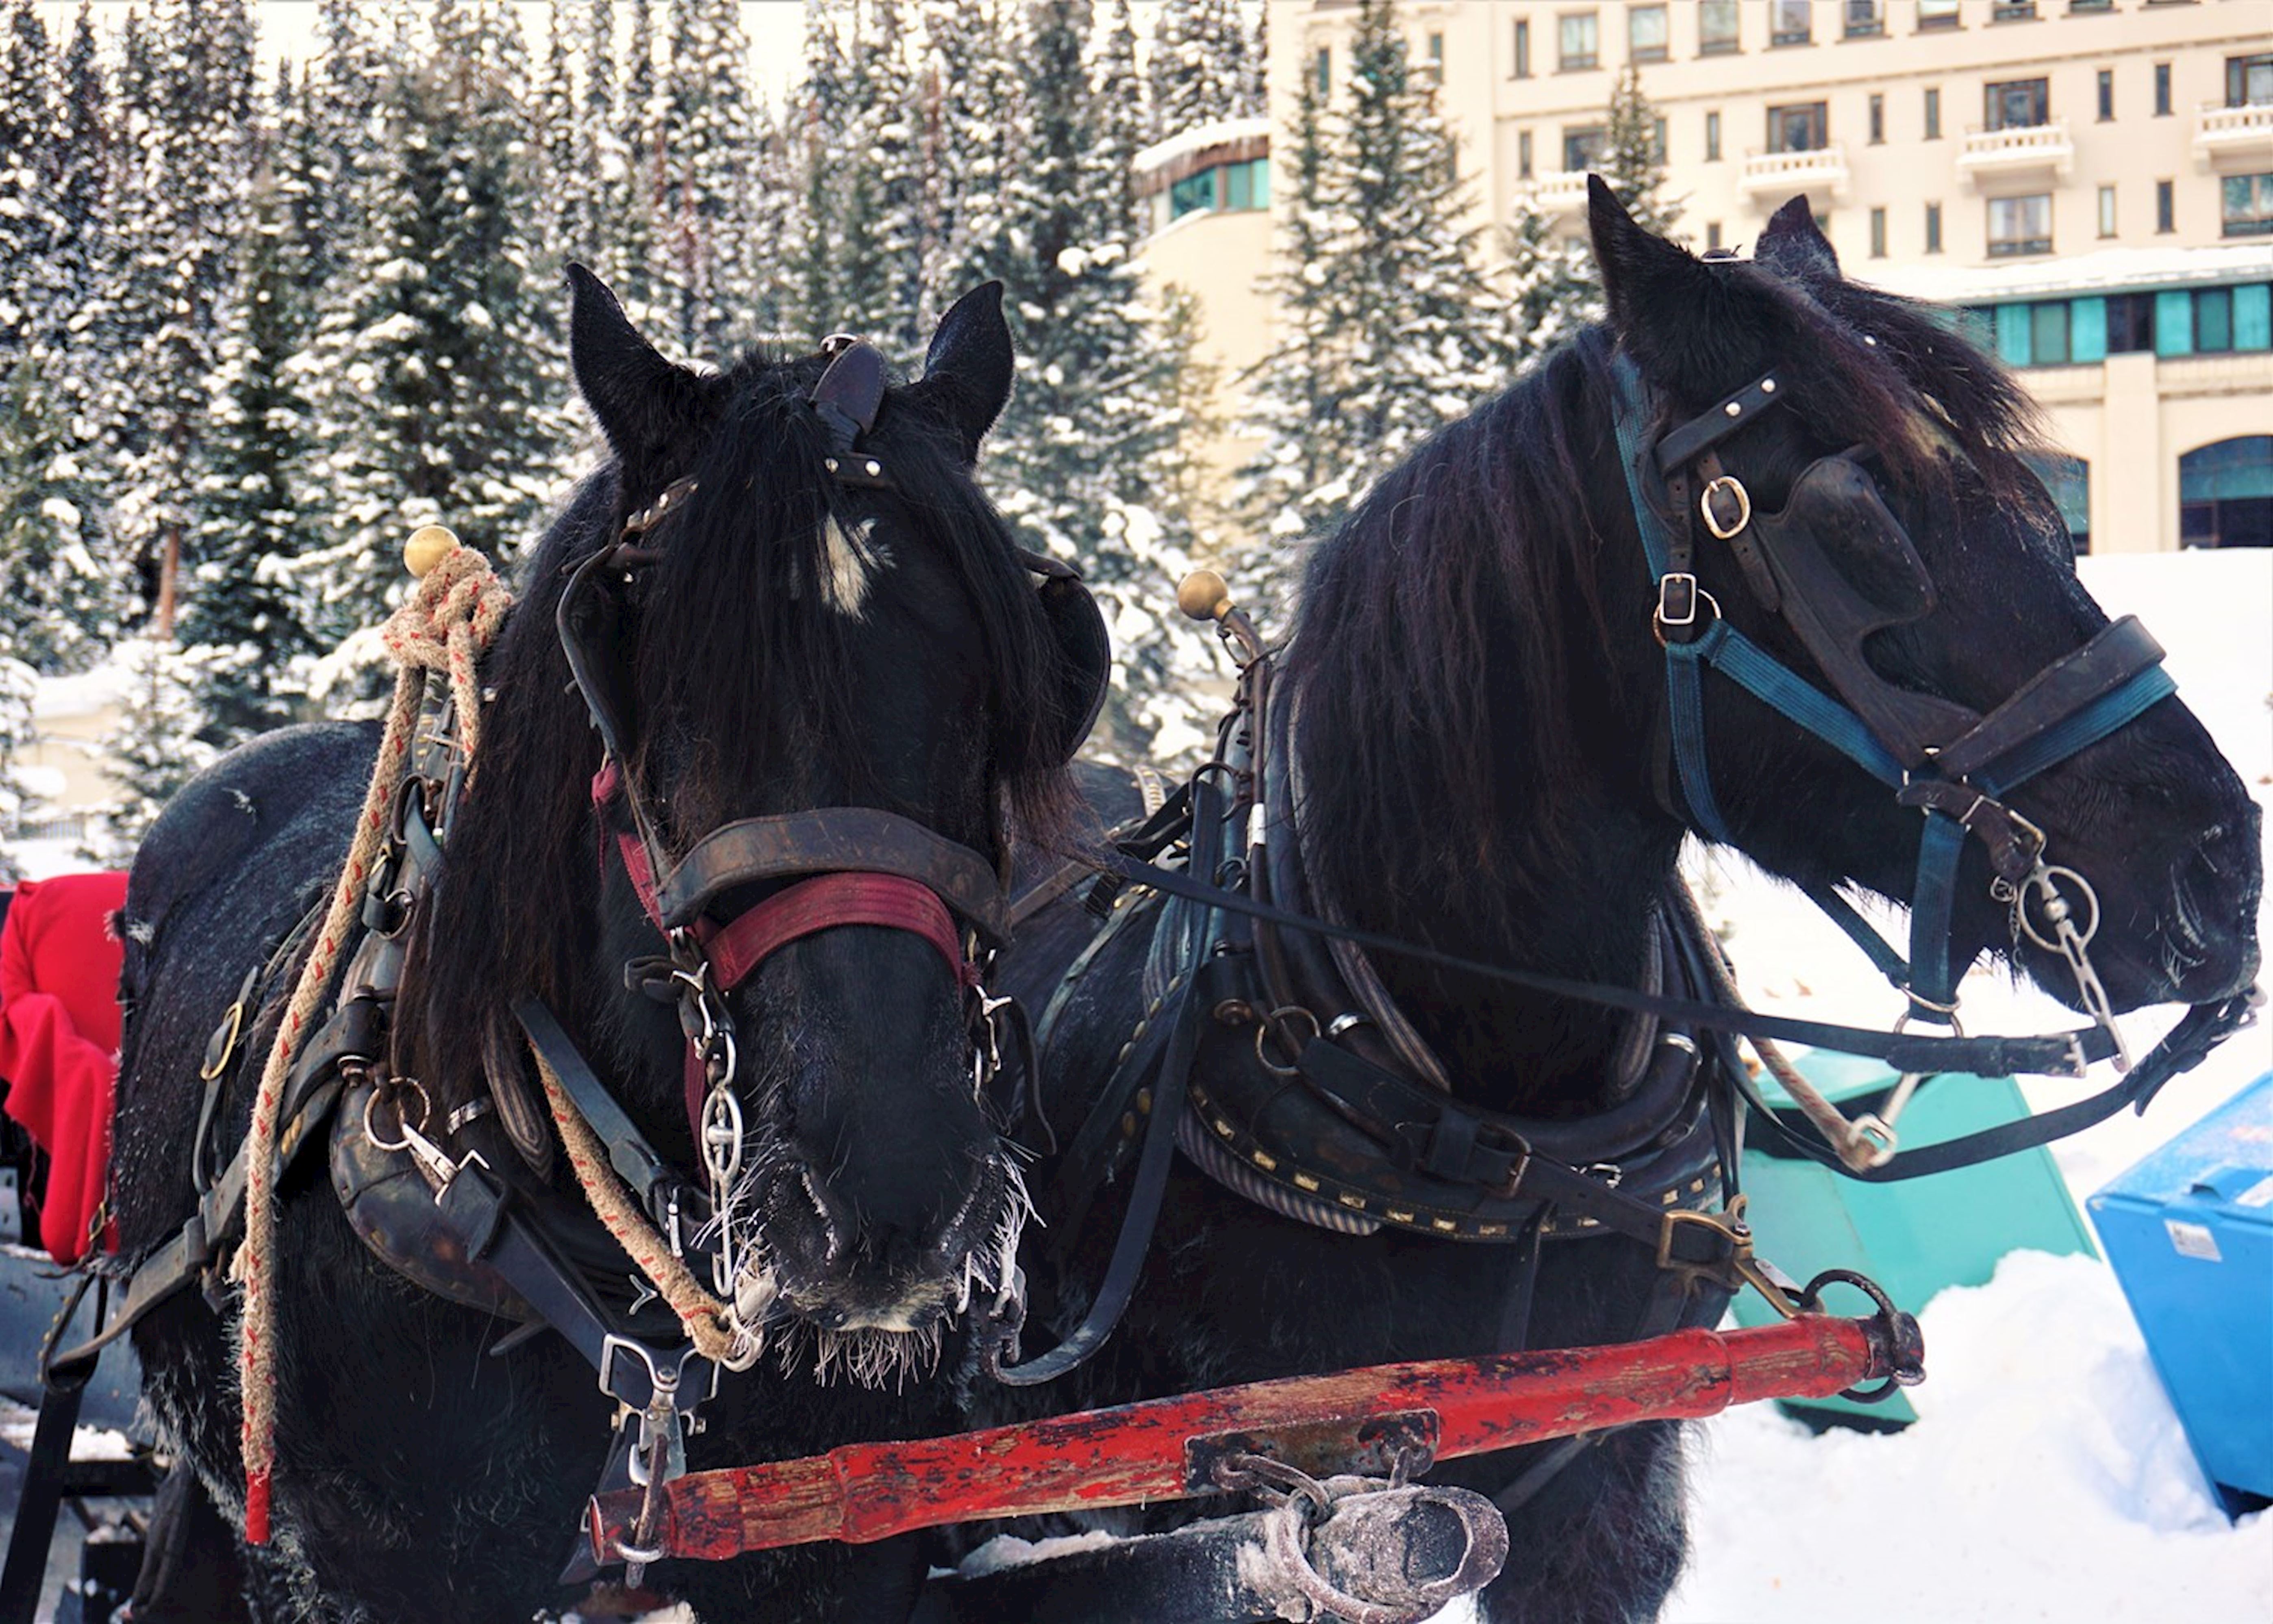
{"x": 1141, "y": 1453}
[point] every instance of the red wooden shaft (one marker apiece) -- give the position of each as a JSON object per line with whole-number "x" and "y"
{"x": 1135, "y": 1453}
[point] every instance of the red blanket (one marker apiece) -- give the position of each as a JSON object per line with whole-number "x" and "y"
{"x": 59, "y": 961}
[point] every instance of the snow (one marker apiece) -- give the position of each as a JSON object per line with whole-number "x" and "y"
{"x": 2106, "y": 269}
{"x": 1218, "y": 133}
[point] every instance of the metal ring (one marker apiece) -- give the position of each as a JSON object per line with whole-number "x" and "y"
{"x": 722, "y": 1128}
{"x": 1280, "y": 1017}
{"x": 1657, "y": 621}
{"x": 206, "y": 1073}
{"x": 2042, "y": 880}
{"x": 1743, "y": 505}
{"x": 403, "y": 1121}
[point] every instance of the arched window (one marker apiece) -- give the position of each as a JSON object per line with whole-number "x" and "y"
{"x": 2069, "y": 479}
{"x": 2225, "y": 494}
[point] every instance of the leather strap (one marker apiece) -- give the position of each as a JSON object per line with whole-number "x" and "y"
{"x": 824, "y": 903}
{"x": 2116, "y": 655}
{"x": 835, "y": 839}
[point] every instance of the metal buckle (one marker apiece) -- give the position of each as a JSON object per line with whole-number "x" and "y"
{"x": 1727, "y": 484}
{"x": 1678, "y": 595}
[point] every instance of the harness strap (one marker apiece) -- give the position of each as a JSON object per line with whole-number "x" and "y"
{"x": 826, "y": 902}
{"x": 667, "y": 1196}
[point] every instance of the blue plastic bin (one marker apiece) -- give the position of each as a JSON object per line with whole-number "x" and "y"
{"x": 2189, "y": 1232}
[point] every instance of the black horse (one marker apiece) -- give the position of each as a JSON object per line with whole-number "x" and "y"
{"x": 810, "y": 605}
{"x": 1470, "y": 722}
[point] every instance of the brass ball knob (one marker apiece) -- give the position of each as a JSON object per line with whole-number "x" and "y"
{"x": 1202, "y": 595}
{"x": 428, "y": 546}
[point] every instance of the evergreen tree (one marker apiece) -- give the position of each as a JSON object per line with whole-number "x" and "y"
{"x": 27, "y": 130}
{"x": 1552, "y": 290}
{"x": 1632, "y": 159}
{"x": 154, "y": 749}
{"x": 1201, "y": 70}
{"x": 703, "y": 176}
{"x": 814, "y": 264}
{"x": 1400, "y": 329}
{"x": 1088, "y": 454}
{"x": 19, "y": 683}
{"x": 242, "y": 626}
{"x": 636, "y": 210}
{"x": 58, "y": 600}
{"x": 79, "y": 198}
{"x": 972, "y": 95}
{"x": 425, "y": 372}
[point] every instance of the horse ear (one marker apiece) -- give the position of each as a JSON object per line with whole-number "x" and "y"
{"x": 968, "y": 369}
{"x": 1649, "y": 283}
{"x": 1793, "y": 242}
{"x": 644, "y": 404}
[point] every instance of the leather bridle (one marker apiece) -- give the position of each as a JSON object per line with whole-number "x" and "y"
{"x": 1940, "y": 758}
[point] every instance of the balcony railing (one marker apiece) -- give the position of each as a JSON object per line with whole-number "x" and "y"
{"x": 1779, "y": 174}
{"x": 2234, "y": 132}
{"x": 2016, "y": 148}
{"x": 1556, "y": 193}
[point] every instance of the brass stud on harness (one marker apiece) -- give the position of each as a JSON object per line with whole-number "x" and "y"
{"x": 428, "y": 546}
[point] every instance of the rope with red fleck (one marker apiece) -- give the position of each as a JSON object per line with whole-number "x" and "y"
{"x": 448, "y": 620}
{"x": 707, "y": 1321}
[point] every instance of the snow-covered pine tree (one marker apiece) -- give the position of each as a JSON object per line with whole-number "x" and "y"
{"x": 1087, "y": 456}
{"x": 634, "y": 210}
{"x": 18, "y": 684}
{"x": 179, "y": 213}
{"x": 971, "y": 87}
{"x": 242, "y": 628}
{"x": 58, "y": 602}
{"x": 1549, "y": 280}
{"x": 1632, "y": 158}
{"x": 1199, "y": 71}
{"x": 888, "y": 203}
{"x": 27, "y": 127}
{"x": 704, "y": 214}
{"x": 344, "y": 84}
{"x": 426, "y": 373}
{"x": 1411, "y": 333}
{"x": 79, "y": 198}
{"x": 814, "y": 254}
{"x": 555, "y": 117}
{"x": 154, "y": 751}
{"x": 1291, "y": 392}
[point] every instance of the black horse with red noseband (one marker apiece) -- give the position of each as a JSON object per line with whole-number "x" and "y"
{"x": 778, "y": 690}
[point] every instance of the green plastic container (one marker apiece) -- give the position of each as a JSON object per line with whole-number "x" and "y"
{"x": 1913, "y": 1237}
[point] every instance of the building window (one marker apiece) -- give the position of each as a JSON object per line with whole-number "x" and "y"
{"x": 2213, "y": 320}
{"x": 1933, "y": 228}
{"x": 1523, "y": 154}
{"x": 1227, "y": 186}
{"x": 2225, "y": 494}
{"x": 1878, "y": 234}
{"x": 1802, "y": 127}
{"x": 2073, "y": 6}
{"x": 1716, "y": 28}
{"x": 2106, "y": 94}
{"x": 1933, "y": 113}
{"x": 2249, "y": 80}
{"x": 2130, "y": 322}
{"x": 1248, "y": 185}
{"x": 1191, "y": 194}
{"x": 1713, "y": 138}
{"x": 2048, "y": 333}
{"x": 2021, "y": 225}
{"x": 1582, "y": 146}
{"x": 2107, "y": 211}
{"x": 1937, "y": 14}
{"x": 2166, "y": 205}
{"x": 1326, "y": 72}
{"x": 1580, "y": 42}
{"x": 1791, "y": 22}
{"x": 1712, "y": 235}
{"x": 1648, "y": 33}
{"x": 2246, "y": 205}
{"x": 1878, "y": 118}
{"x": 2162, "y": 90}
{"x": 2018, "y": 104}
{"x": 2253, "y": 316}
{"x": 1864, "y": 20}
{"x": 1657, "y": 140}
{"x": 1436, "y": 50}
{"x": 2012, "y": 10}
{"x": 1523, "y": 47}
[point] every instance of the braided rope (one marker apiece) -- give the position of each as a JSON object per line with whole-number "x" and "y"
{"x": 444, "y": 625}
{"x": 707, "y": 1322}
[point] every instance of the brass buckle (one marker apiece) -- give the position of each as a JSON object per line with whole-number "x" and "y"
{"x": 212, "y": 1069}
{"x": 1743, "y": 1268}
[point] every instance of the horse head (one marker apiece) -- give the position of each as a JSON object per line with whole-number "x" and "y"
{"x": 818, "y": 686}
{"x": 1863, "y": 513}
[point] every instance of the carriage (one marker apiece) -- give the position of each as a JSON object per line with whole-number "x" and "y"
{"x": 617, "y": 1096}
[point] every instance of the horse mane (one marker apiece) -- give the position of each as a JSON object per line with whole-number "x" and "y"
{"x": 1433, "y": 629}
{"x": 728, "y": 631}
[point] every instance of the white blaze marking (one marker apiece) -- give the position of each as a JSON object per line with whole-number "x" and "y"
{"x": 853, "y": 559}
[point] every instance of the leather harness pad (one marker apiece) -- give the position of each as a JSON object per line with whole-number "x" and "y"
{"x": 1847, "y": 569}
{"x": 2114, "y": 657}
{"x": 834, "y": 840}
